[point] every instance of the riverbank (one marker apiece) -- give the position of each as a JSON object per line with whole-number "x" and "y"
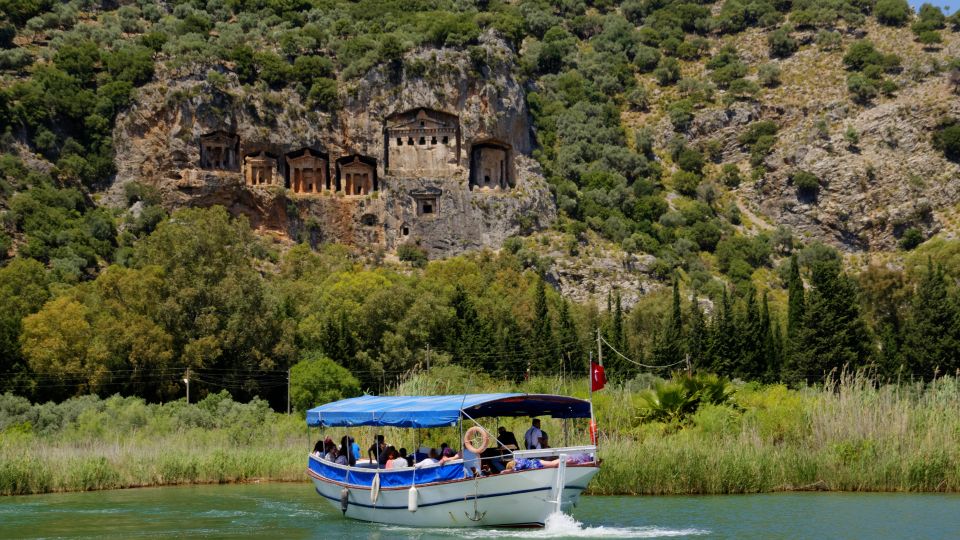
{"x": 852, "y": 436}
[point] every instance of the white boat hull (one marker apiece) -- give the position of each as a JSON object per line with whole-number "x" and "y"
{"x": 516, "y": 499}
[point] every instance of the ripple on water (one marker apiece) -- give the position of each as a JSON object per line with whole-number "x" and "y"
{"x": 559, "y": 526}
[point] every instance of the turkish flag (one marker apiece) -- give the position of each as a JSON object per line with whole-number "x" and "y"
{"x": 597, "y": 378}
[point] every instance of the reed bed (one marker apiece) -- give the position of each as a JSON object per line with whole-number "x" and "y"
{"x": 849, "y": 435}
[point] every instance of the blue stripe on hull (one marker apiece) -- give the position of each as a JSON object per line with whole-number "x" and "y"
{"x": 458, "y": 499}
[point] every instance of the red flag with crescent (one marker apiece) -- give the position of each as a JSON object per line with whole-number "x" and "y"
{"x": 597, "y": 377}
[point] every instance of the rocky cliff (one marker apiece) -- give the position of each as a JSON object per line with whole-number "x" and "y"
{"x": 440, "y": 208}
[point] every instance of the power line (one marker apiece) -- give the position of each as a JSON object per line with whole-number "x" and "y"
{"x": 621, "y": 355}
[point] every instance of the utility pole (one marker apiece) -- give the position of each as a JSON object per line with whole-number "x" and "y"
{"x": 599, "y": 348}
{"x": 428, "y": 357}
{"x": 288, "y": 390}
{"x": 186, "y": 380}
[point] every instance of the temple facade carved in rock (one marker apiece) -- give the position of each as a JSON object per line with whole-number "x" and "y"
{"x": 357, "y": 175}
{"x": 218, "y": 150}
{"x": 491, "y": 165}
{"x": 308, "y": 172}
{"x": 260, "y": 169}
{"x": 422, "y": 143}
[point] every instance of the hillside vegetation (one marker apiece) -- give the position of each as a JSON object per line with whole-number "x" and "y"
{"x": 730, "y": 146}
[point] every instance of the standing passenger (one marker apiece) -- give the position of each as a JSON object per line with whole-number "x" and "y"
{"x": 533, "y": 436}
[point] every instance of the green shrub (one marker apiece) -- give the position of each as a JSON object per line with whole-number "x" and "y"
{"x": 947, "y": 140}
{"x": 681, "y": 114}
{"x": 667, "y": 72}
{"x": 769, "y": 75}
{"x": 805, "y": 182}
{"x": 730, "y": 175}
{"x": 892, "y": 12}
{"x": 911, "y": 238}
{"x": 413, "y": 254}
{"x": 691, "y": 160}
{"x": 686, "y": 183}
{"x": 323, "y": 94}
{"x": 781, "y": 44}
{"x": 861, "y": 88}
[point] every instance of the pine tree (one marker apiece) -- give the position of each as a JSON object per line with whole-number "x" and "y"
{"x": 931, "y": 340}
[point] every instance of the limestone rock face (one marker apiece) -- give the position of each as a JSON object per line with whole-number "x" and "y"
{"x": 445, "y": 137}
{"x": 871, "y": 191}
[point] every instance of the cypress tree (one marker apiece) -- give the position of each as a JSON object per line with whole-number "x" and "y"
{"x": 668, "y": 345}
{"x": 617, "y": 331}
{"x": 833, "y": 335}
{"x": 567, "y": 338}
{"x": 750, "y": 365}
{"x": 545, "y": 356}
{"x": 796, "y": 300}
{"x": 769, "y": 351}
{"x": 722, "y": 347}
{"x": 931, "y": 340}
{"x": 697, "y": 338}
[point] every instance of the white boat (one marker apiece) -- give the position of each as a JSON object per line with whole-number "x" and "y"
{"x": 455, "y": 494}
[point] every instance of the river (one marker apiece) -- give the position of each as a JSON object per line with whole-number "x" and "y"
{"x": 294, "y": 511}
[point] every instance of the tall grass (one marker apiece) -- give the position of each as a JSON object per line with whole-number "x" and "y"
{"x": 848, "y": 435}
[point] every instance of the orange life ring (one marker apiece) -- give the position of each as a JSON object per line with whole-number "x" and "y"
{"x": 468, "y": 440}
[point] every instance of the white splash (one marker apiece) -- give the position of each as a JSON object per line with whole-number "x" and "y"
{"x": 559, "y": 525}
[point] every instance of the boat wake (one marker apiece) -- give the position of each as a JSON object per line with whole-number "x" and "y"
{"x": 560, "y": 525}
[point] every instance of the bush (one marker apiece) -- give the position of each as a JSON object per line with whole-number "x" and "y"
{"x": 892, "y": 12}
{"x": 769, "y": 75}
{"x": 686, "y": 183}
{"x": 947, "y": 140}
{"x": 805, "y": 182}
{"x": 667, "y": 72}
{"x": 323, "y": 94}
{"x": 730, "y": 175}
{"x": 690, "y": 160}
{"x": 911, "y": 238}
{"x": 861, "y": 54}
{"x": 646, "y": 59}
{"x": 681, "y": 114}
{"x": 781, "y": 44}
{"x": 413, "y": 254}
{"x": 861, "y": 88}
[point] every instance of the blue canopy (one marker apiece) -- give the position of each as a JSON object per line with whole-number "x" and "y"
{"x": 438, "y": 411}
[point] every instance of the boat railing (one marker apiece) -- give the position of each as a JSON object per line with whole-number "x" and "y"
{"x": 550, "y": 452}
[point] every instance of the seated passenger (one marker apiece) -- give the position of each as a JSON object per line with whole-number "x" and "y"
{"x": 391, "y": 454}
{"x": 507, "y": 439}
{"x": 449, "y": 454}
{"x": 346, "y": 456}
{"x": 405, "y": 457}
{"x": 430, "y": 460}
{"x": 318, "y": 449}
{"x": 329, "y": 450}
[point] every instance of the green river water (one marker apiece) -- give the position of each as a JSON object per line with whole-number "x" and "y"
{"x": 295, "y": 511}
